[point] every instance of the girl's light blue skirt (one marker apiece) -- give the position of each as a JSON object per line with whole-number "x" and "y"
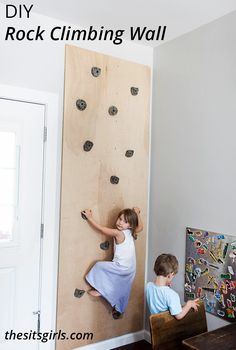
{"x": 113, "y": 282}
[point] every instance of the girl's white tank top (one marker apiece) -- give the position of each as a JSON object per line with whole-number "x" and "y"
{"x": 124, "y": 253}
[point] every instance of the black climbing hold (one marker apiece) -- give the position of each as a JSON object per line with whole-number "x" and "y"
{"x": 105, "y": 245}
{"x": 129, "y": 153}
{"x": 88, "y": 145}
{"x": 114, "y": 180}
{"x": 113, "y": 110}
{"x": 96, "y": 71}
{"x": 134, "y": 91}
{"x": 78, "y": 293}
{"x": 83, "y": 215}
{"x": 116, "y": 314}
{"x": 81, "y": 105}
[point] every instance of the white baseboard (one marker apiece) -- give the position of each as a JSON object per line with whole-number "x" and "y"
{"x": 147, "y": 336}
{"x": 115, "y": 342}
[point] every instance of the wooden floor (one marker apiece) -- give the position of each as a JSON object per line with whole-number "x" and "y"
{"x": 140, "y": 345}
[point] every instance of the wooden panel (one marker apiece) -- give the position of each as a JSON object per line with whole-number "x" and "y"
{"x": 167, "y": 332}
{"x": 220, "y": 339}
{"x": 86, "y": 184}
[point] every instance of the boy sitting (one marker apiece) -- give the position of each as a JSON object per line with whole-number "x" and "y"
{"x": 160, "y": 297}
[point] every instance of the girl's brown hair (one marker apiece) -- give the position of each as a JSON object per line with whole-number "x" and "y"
{"x": 132, "y": 218}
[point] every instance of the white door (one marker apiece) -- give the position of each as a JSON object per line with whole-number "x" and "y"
{"x": 21, "y": 178}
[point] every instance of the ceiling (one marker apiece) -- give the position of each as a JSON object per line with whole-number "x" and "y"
{"x": 180, "y": 16}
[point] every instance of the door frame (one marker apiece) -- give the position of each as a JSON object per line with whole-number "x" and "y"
{"x": 51, "y": 200}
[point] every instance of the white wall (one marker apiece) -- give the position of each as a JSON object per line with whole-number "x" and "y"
{"x": 193, "y": 141}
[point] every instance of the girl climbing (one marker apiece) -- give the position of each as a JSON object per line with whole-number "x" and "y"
{"x": 113, "y": 279}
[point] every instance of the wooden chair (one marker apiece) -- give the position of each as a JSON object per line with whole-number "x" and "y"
{"x": 167, "y": 332}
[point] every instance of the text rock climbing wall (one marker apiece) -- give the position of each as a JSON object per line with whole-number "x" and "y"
{"x": 105, "y": 168}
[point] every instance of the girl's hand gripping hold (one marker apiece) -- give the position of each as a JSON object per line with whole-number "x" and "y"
{"x": 87, "y": 214}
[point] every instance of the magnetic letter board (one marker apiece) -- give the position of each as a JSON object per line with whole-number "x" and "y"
{"x": 210, "y": 271}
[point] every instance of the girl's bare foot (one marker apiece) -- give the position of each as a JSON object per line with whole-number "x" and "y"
{"x": 94, "y": 293}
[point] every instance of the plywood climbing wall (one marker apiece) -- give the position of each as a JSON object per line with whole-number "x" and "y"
{"x": 109, "y": 107}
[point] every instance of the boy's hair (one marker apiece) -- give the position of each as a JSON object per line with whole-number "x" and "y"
{"x": 132, "y": 218}
{"x": 165, "y": 264}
